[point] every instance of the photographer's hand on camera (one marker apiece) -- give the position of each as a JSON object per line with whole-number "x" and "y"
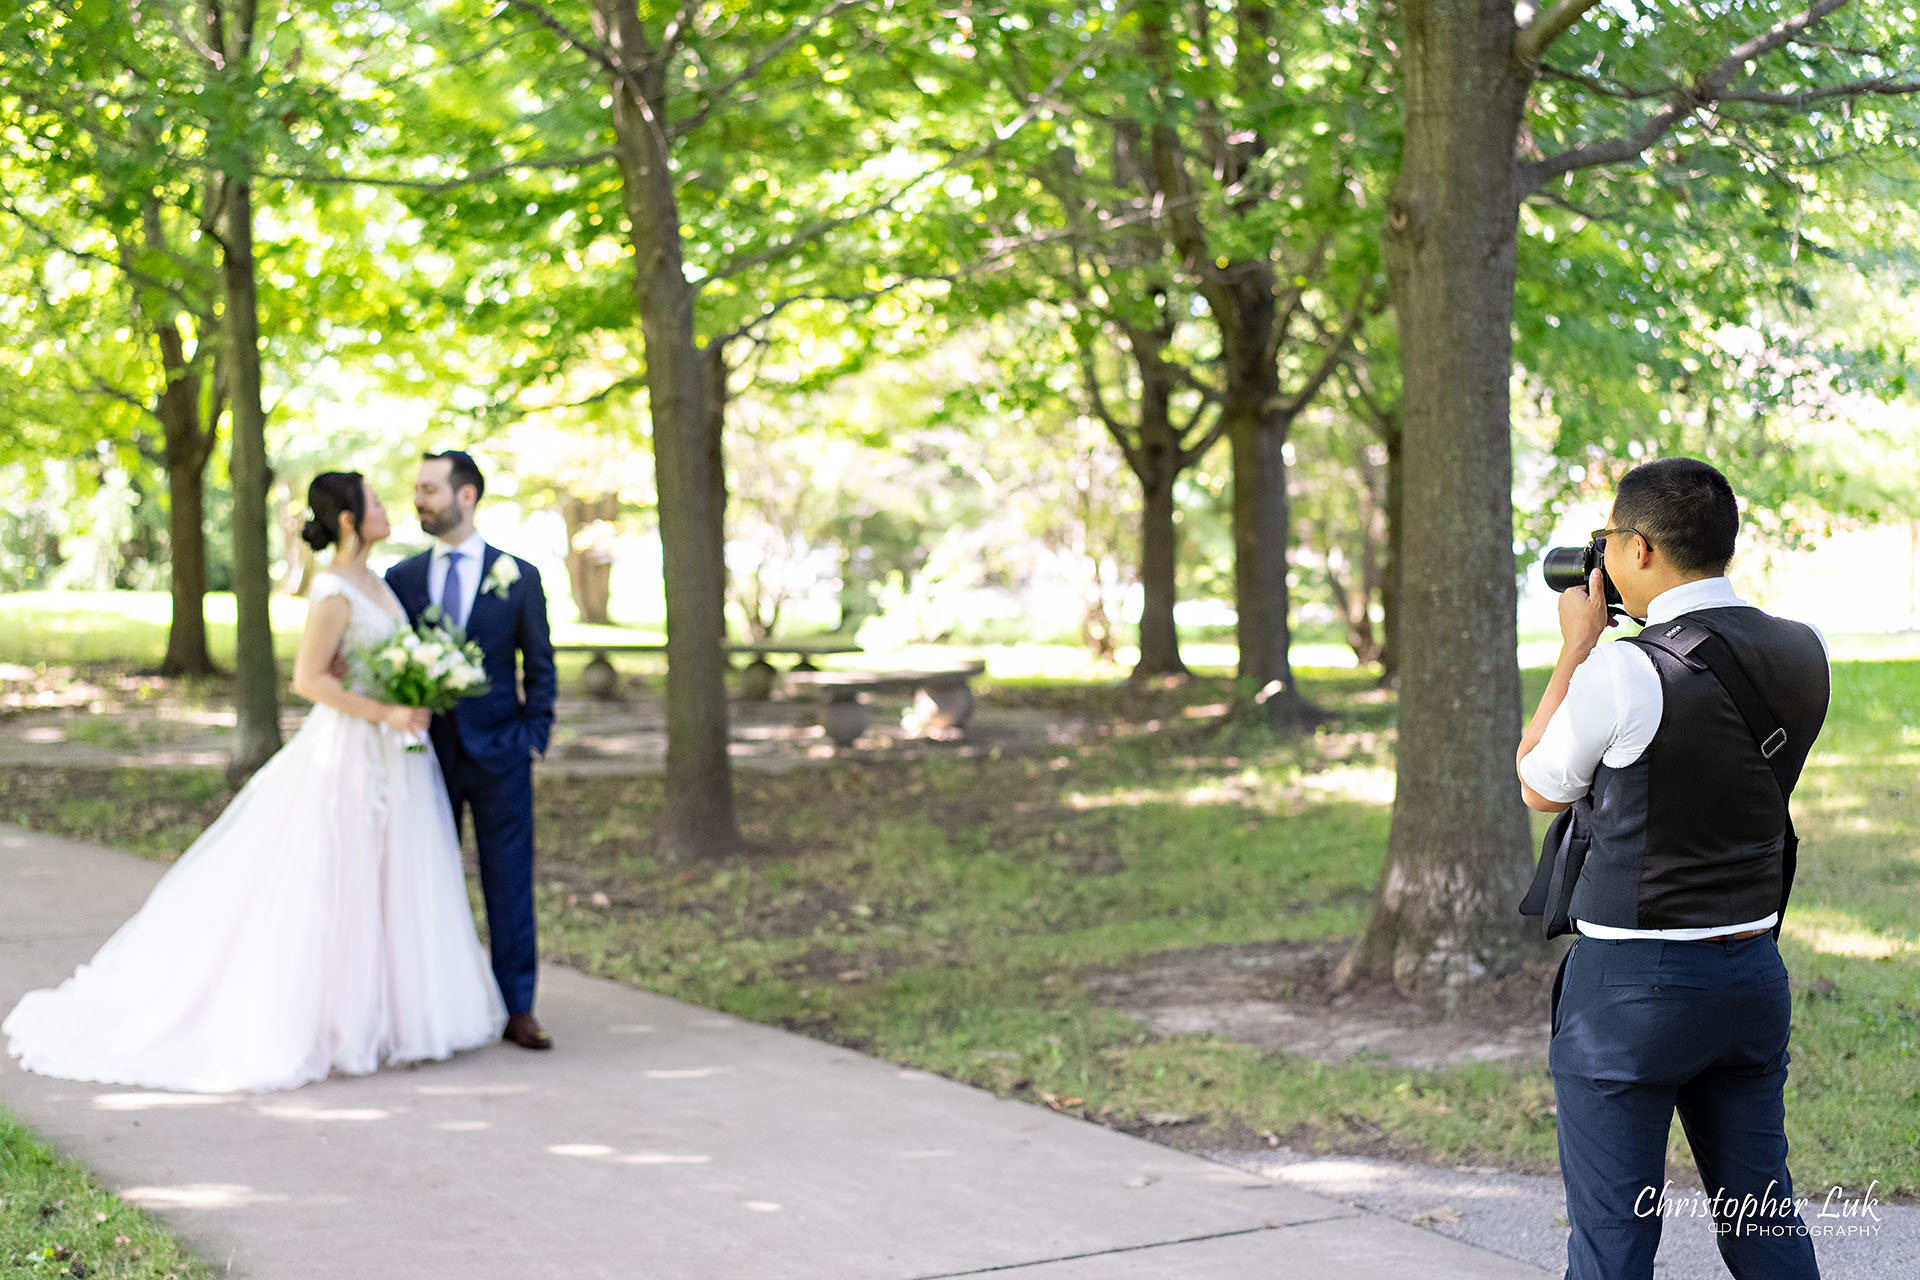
{"x": 1584, "y": 618}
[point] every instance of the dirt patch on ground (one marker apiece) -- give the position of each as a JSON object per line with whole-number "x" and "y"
{"x": 1278, "y": 996}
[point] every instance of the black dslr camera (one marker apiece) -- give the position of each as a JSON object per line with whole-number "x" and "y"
{"x": 1565, "y": 567}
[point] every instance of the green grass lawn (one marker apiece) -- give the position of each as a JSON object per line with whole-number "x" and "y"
{"x": 947, "y": 913}
{"x": 56, "y": 1221}
{"x": 129, "y": 628}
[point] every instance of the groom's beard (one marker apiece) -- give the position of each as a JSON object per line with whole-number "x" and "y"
{"x": 441, "y": 521}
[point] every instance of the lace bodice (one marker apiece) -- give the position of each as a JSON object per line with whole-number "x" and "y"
{"x": 372, "y": 621}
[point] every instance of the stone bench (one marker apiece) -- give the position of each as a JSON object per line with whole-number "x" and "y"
{"x": 942, "y": 698}
{"x": 600, "y": 679}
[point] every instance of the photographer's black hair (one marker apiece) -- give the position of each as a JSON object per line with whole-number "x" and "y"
{"x": 331, "y": 493}
{"x": 1684, "y": 507}
{"x": 463, "y": 471}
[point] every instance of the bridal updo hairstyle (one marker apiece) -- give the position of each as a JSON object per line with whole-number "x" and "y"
{"x": 330, "y": 494}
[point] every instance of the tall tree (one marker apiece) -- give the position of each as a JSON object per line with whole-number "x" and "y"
{"x": 1243, "y": 136}
{"x": 711, "y": 115}
{"x": 1477, "y": 125}
{"x": 1160, "y": 441}
{"x": 101, "y": 109}
{"x": 699, "y": 819}
{"x": 1114, "y": 280}
{"x": 229, "y": 49}
{"x": 748, "y": 148}
{"x": 1288, "y": 308}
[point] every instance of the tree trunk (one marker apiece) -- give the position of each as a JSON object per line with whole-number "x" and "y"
{"x": 714, "y": 358}
{"x": 186, "y": 568}
{"x": 1458, "y": 857}
{"x": 1353, "y": 594}
{"x": 1159, "y": 640}
{"x": 1257, "y": 427}
{"x": 1390, "y": 569}
{"x": 188, "y": 447}
{"x": 589, "y": 553}
{"x": 1240, "y": 294}
{"x": 1156, "y": 464}
{"x": 256, "y": 675}
{"x": 698, "y": 821}
{"x": 301, "y": 562}
{"x": 1373, "y": 534}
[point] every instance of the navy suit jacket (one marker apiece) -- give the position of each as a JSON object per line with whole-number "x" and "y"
{"x": 498, "y": 727}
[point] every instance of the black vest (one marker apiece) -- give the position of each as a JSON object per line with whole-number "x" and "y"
{"x": 1694, "y": 832}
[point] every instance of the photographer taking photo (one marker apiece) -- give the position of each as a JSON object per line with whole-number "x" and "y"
{"x": 1672, "y": 859}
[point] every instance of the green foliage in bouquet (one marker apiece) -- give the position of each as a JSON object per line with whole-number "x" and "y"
{"x": 432, "y": 665}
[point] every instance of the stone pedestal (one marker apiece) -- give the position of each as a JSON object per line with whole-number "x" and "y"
{"x": 941, "y": 708}
{"x": 599, "y": 678}
{"x": 845, "y": 718}
{"x": 756, "y": 682}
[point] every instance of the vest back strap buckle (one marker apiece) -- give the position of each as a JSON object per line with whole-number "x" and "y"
{"x": 1775, "y": 740}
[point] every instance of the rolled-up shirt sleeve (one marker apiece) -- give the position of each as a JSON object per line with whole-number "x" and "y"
{"x": 1585, "y": 727}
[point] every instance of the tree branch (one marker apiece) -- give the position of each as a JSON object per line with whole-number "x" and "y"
{"x": 814, "y": 231}
{"x": 1531, "y": 43}
{"x": 825, "y": 226}
{"x": 718, "y": 97}
{"x": 1191, "y": 454}
{"x": 599, "y": 54}
{"x": 1684, "y": 102}
{"x": 1580, "y": 211}
{"x": 1885, "y": 86}
{"x": 592, "y": 49}
{"x": 113, "y": 391}
{"x": 1295, "y": 298}
{"x": 475, "y": 178}
{"x": 1385, "y": 418}
{"x": 1121, "y": 432}
{"x": 770, "y": 311}
{"x": 132, "y": 272}
{"x": 1606, "y": 89}
{"x": 1332, "y": 356}
{"x": 675, "y": 36}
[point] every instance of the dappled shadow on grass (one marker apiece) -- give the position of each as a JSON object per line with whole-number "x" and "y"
{"x": 948, "y": 912}
{"x": 156, "y": 814}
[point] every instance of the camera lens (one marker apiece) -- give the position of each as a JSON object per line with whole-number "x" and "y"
{"x": 1565, "y": 567}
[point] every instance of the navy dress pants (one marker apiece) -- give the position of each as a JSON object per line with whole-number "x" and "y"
{"x": 501, "y": 800}
{"x": 1645, "y": 1028}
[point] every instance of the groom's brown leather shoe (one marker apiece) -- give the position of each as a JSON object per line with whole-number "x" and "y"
{"x": 525, "y": 1032}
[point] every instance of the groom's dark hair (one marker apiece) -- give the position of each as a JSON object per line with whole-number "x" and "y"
{"x": 463, "y": 471}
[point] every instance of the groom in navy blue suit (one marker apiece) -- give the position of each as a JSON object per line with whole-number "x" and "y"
{"x": 486, "y": 745}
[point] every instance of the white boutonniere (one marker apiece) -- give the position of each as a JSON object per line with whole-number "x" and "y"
{"x": 505, "y": 572}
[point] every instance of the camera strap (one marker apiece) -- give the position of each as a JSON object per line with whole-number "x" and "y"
{"x": 1701, "y": 649}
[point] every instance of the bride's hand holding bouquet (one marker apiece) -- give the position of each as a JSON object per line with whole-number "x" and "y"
{"x": 424, "y": 670}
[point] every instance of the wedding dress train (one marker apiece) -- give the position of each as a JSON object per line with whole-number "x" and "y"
{"x": 320, "y": 924}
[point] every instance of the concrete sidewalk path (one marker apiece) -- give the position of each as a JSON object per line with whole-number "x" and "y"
{"x": 660, "y": 1141}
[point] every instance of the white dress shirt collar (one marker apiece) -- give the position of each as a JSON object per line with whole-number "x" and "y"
{"x": 1702, "y": 593}
{"x": 473, "y": 548}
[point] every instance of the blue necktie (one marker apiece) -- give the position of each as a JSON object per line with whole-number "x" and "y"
{"x": 452, "y": 600}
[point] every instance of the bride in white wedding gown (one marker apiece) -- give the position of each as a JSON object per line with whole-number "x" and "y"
{"x": 321, "y": 924}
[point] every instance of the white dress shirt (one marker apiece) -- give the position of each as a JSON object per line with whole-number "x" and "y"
{"x": 472, "y": 554}
{"x": 1612, "y": 710}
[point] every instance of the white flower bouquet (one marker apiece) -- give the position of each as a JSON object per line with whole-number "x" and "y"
{"x": 433, "y": 665}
